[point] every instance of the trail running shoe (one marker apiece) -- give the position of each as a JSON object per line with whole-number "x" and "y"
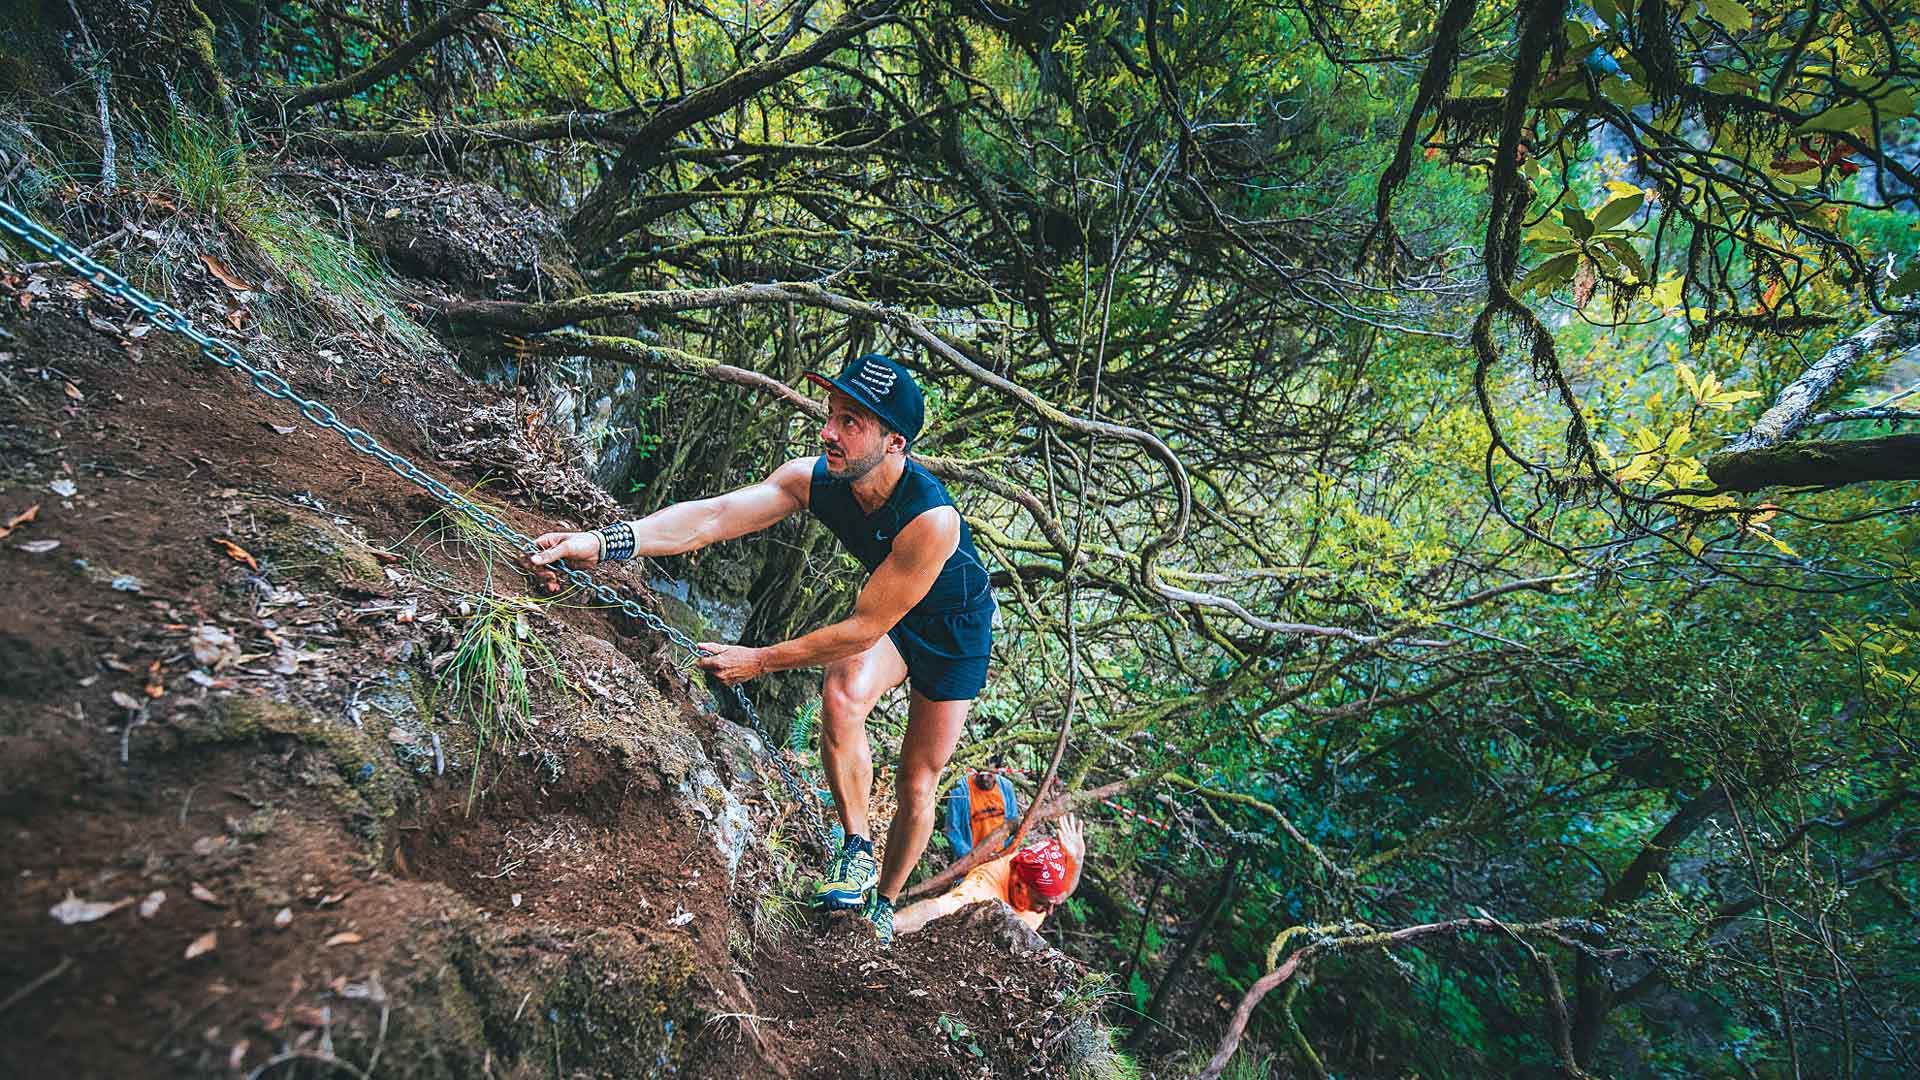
{"x": 879, "y": 912}
{"x": 849, "y": 876}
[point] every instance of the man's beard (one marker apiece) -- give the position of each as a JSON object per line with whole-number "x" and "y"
{"x": 855, "y": 468}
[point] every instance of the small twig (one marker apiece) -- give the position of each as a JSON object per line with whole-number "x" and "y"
{"x": 380, "y": 1041}
{"x": 186, "y": 802}
{"x": 753, "y": 1021}
{"x": 137, "y": 719}
{"x": 168, "y": 1035}
{"x": 305, "y": 1055}
{"x": 46, "y": 977}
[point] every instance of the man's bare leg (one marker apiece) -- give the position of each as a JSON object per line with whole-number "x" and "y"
{"x": 852, "y": 687}
{"x": 933, "y": 730}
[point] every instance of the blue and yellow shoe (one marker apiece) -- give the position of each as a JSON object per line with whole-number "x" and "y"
{"x": 879, "y": 912}
{"x": 849, "y": 876}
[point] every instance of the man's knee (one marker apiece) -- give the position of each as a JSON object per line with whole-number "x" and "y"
{"x": 843, "y": 715}
{"x": 914, "y": 785}
{"x": 843, "y": 706}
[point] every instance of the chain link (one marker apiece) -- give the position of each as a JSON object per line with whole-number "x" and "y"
{"x": 272, "y": 385}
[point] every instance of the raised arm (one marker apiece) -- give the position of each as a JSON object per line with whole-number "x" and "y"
{"x": 1073, "y": 838}
{"x": 898, "y": 583}
{"x": 690, "y": 526}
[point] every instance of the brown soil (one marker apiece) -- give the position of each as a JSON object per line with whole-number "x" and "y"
{"x": 580, "y": 921}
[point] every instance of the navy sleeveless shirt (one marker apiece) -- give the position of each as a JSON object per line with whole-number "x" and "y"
{"x": 962, "y": 585}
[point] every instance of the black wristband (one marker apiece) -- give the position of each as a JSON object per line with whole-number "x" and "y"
{"x": 616, "y": 541}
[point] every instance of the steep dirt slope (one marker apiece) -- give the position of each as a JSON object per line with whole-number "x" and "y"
{"x": 221, "y": 702}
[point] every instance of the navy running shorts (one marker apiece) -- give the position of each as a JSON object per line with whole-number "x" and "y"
{"x": 946, "y": 654}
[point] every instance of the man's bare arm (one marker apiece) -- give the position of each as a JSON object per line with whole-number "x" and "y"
{"x": 1073, "y": 838}
{"x": 690, "y": 526}
{"x": 919, "y": 551}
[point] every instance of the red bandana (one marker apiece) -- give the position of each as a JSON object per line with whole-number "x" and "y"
{"x": 1045, "y": 867}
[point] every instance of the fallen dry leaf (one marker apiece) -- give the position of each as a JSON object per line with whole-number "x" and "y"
{"x": 288, "y": 430}
{"x": 238, "y": 1056}
{"x": 283, "y": 919}
{"x": 219, "y": 270}
{"x": 38, "y": 547}
{"x": 237, "y": 553}
{"x": 75, "y": 910}
{"x": 213, "y": 647}
{"x": 19, "y": 519}
{"x": 64, "y": 488}
{"x": 152, "y": 903}
{"x": 345, "y": 937}
{"x": 237, "y": 318}
{"x": 125, "y": 700}
{"x": 203, "y": 944}
{"x": 74, "y": 392}
{"x": 203, "y": 894}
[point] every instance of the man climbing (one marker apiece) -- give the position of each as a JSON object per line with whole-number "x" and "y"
{"x": 1032, "y": 881}
{"x": 979, "y": 803}
{"x": 924, "y": 616}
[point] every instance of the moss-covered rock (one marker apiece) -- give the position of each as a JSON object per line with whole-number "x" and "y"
{"x": 312, "y": 550}
{"x": 625, "y": 1005}
{"x": 523, "y": 1003}
{"x": 352, "y": 763}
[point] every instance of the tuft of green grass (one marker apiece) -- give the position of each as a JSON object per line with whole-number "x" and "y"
{"x": 37, "y": 172}
{"x": 1091, "y": 1050}
{"x": 464, "y": 537}
{"x": 1092, "y": 1053}
{"x": 490, "y": 679}
{"x": 1248, "y": 1066}
{"x": 206, "y": 165}
{"x": 777, "y": 915}
{"x": 1089, "y": 994}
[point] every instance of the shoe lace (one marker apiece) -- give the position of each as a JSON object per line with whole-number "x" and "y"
{"x": 841, "y": 866}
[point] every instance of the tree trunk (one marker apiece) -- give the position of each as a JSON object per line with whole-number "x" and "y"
{"x": 1821, "y": 463}
{"x": 1594, "y": 995}
{"x": 1222, "y": 899}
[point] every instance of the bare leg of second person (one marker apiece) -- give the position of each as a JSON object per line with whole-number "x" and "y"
{"x": 852, "y": 687}
{"x": 933, "y": 730}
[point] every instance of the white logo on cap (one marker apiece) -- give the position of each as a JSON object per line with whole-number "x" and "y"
{"x": 876, "y": 377}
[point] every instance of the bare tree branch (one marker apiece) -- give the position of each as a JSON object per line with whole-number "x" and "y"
{"x": 389, "y": 65}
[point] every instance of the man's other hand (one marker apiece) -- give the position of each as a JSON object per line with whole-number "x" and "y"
{"x": 1073, "y": 837}
{"x": 581, "y": 550}
{"x": 731, "y": 664}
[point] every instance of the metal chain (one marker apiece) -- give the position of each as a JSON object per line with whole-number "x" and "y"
{"x": 220, "y": 352}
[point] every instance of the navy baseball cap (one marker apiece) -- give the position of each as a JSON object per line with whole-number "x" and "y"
{"x": 885, "y": 388}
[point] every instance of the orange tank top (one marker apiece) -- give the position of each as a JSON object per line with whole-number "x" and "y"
{"x": 988, "y": 807}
